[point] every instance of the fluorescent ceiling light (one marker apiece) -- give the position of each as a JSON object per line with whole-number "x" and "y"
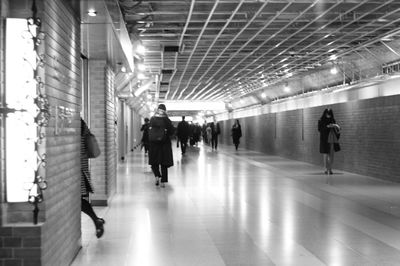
{"x": 179, "y": 118}
{"x": 194, "y": 105}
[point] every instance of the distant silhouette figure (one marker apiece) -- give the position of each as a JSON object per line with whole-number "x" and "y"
{"x": 145, "y": 136}
{"x": 236, "y": 133}
{"x": 183, "y": 132}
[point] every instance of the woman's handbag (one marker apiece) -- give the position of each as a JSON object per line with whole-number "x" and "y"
{"x": 92, "y": 146}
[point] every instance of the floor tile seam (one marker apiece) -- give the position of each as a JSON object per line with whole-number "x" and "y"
{"x": 334, "y": 195}
{"x": 287, "y": 175}
{"x": 305, "y": 163}
{"x": 372, "y": 234}
{"x": 338, "y": 195}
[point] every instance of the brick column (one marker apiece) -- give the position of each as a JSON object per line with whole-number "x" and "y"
{"x": 102, "y": 124}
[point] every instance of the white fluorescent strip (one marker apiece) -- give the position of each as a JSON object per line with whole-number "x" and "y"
{"x": 194, "y": 105}
{"x": 143, "y": 88}
{"x": 194, "y": 89}
{"x": 179, "y": 118}
{"x": 197, "y": 94}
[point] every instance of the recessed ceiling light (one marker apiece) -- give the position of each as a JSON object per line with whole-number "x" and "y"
{"x": 92, "y": 12}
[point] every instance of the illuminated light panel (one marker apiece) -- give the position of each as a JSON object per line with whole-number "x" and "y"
{"x": 179, "y": 118}
{"x": 92, "y": 12}
{"x": 140, "y": 49}
{"x": 194, "y": 106}
{"x": 20, "y": 127}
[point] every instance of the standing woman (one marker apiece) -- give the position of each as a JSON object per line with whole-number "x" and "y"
{"x": 329, "y": 138}
{"x": 86, "y": 184}
{"x": 236, "y": 133}
{"x": 160, "y": 152}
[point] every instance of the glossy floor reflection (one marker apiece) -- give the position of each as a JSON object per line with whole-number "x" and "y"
{"x": 231, "y": 207}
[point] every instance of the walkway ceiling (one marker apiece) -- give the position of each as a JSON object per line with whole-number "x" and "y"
{"x": 226, "y": 49}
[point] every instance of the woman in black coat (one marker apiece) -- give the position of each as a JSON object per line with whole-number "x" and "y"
{"x": 160, "y": 151}
{"x": 329, "y": 138}
{"x": 236, "y": 133}
{"x": 86, "y": 183}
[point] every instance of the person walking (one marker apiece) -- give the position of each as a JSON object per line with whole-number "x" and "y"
{"x": 145, "y": 136}
{"x": 329, "y": 138}
{"x": 183, "y": 132}
{"x": 160, "y": 151}
{"x": 215, "y": 131}
{"x": 236, "y": 133}
{"x": 86, "y": 184}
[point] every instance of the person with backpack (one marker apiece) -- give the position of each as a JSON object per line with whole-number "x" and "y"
{"x": 160, "y": 150}
{"x": 183, "y": 132}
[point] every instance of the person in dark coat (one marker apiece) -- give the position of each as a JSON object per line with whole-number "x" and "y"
{"x": 329, "y": 138}
{"x": 215, "y": 131}
{"x": 236, "y": 133}
{"x": 86, "y": 184}
{"x": 183, "y": 132}
{"x": 145, "y": 136}
{"x": 160, "y": 152}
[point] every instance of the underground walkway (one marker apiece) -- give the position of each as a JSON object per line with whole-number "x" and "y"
{"x": 244, "y": 208}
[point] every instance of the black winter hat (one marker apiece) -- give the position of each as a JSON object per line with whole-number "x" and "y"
{"x": 162, "y": 107}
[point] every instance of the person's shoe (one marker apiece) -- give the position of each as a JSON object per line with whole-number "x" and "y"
{"x": 157, "y": 181}
{"x": 326, "y": 172}
{"x": 99, "y": 227}
{"x": 330, "y": 172}
{"x": 162, "y": 184}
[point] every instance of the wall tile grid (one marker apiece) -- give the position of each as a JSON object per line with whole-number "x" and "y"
{"x": 111, "y": 134}
{"x": 61, "y": 230}
{"x": 103, "y": 116}
{"x": 20, "y": 245}
{"x": 370, "y": 138}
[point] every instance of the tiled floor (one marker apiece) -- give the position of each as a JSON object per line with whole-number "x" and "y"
{"x": 244, "y": 208}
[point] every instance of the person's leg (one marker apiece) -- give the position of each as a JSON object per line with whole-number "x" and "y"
{"x": 87, "y": 208}
{"x": 156, "y": 170}
{"x": 183, "y": 146}
{"x": 164, "y": 175}
{"x": 216, "y": 142}
{"x": 326, "y": 162}
{"x": 331, "y": 157}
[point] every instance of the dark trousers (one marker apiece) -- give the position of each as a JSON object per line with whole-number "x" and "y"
{"x": 163, "y": 174}
{"x": 214, "y": 142}
{"x": 183, "y": 146}
{"x": 88, "y": 209}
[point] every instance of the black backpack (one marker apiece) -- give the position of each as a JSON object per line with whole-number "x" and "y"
{"x": 157, "y": 131}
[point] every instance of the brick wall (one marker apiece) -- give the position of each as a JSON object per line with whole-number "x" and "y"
{"x": 56, "y": 240}
{"x": 102, "y": 124}
{"x": 111, "y": 133}
{"x": 20, "y": 245}
{"x": 370, "y": 140}
{"x": 61, "y": 230}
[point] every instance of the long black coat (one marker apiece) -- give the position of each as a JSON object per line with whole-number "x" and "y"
{"x": 324, "y": 146}
{"x": 160, "y": 153}
{"x": 236, "y": 133}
